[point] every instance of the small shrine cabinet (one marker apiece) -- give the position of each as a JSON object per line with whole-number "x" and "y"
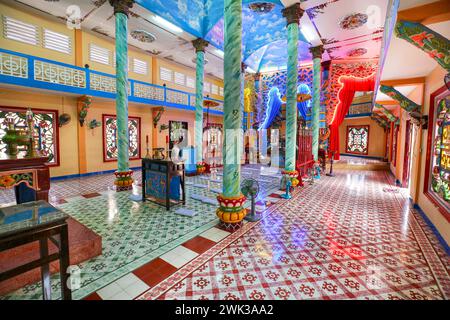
{"x": 163, "y": 182}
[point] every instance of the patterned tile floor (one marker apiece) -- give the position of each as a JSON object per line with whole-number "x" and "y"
{"x": 133, "y": 233}
{"x": 353, "y": 236}
{"x": 358, "y": 161}
{"x": 348, "y": 237}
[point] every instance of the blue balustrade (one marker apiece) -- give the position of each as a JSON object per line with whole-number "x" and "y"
{"x": 29, "y": 71}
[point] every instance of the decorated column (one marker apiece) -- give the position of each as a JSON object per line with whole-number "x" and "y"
{"x": 292, "y": 15}
{"x": 199, "y": 45}
{"x": 317, "y": 59}
{"x": 231, "y": 200}
{"x": 123, "y": 174}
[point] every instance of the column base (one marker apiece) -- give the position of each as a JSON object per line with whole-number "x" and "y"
{"x": 231, "y": 210}
{"x": 124, "y": 181}
{"x": 201, "y": 167}
{"x": 231, "y": 227}
{"x": 292, "y": 175}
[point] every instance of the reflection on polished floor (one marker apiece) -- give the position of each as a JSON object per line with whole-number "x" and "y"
{"x": 334, "y": 239}
{"x": 133, "y": 233}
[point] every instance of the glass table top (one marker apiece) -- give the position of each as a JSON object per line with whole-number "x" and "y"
{"x": 27, "y": 216}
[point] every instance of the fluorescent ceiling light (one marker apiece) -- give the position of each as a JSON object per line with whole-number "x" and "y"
{"x": 168, "y": 25}
{"x": 219, "y": 52}
{"x": 273, "y": 68}
{"x": 250, "y": 70}
{"x": 308, "y": 34}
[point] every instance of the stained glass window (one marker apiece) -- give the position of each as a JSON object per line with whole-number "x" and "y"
{"x": 110, "y": 140}
{"x": 357, "y": 139}
{"x": 45, "y": 125}
{"x": 439, "y": 174}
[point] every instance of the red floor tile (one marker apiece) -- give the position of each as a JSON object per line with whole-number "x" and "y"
{"x": 199, "y": 244}
{"x": 91, "y": 195}
{"x": 275, "y": 195}
{"x": 93, "y": 296}
{"x": 154, "y": 272}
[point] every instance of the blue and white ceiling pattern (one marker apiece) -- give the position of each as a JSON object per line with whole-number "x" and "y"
{"x": 349, "y": 29}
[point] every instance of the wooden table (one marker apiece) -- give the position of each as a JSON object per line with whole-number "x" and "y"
{"x": 37, "y": 221}
{"x": 162, "y": 171}
{"x": 33, "y": 172}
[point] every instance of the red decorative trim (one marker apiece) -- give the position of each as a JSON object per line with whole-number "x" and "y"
{"x": 346, "y": 138}
{"x": 431, "y": 125}
{"x": 56, "y": 129}
{"x": 104, "y": 136}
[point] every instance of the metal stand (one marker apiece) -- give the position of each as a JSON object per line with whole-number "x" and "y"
{"x": 252, "y": 217}
{"x": 288, "y": 188}
{"x": 331, "y": 174}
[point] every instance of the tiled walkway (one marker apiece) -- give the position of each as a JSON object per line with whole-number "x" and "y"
{"x": 353, "y": 236}
{"x": 347, "y": 237}
{"x": 135, "y": 233}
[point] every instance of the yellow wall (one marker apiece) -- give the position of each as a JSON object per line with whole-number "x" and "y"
{"x": 68, "y": 141}
{"x": 433, "y": 82}
{"x": 102, "y": 41}
{"x": 94, "y": 137}
{"x": 377, "y": 136}
{"x": 68, "y": 149}
{"x": 37, "y": 50}
{"x": 187, "y": 71}
{"x": 178, "y": 115}
{"x": 106, "y": 43}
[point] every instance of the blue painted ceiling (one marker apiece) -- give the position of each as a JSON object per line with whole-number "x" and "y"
{"x": 263, "y": 36}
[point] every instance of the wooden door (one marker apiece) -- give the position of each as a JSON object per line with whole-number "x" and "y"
{"x": 407, "y": 157}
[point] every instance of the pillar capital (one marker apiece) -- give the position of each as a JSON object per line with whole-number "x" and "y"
{"x": 243, "y": 66}
{"x": 316, "y": 51}
{"x": 121, "y": 6}
{"x": 200, "y": 44}
{"x": 293, "y": 13}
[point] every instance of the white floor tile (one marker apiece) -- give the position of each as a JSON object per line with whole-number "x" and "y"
{"x": 76, "y": 198}
{"x": 215, "y": 234}
{"x": 137, "y": 288}
{"x": 122, "y": 295}
{"x": 109, "y": 291}
{"x": 179, "y": 256}
{"x": 127, "y": 280}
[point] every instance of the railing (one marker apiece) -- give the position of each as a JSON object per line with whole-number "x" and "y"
{"x": 25, "y": 70}
{"x": 360, "y": 110}
{"x": 304, "y": 153}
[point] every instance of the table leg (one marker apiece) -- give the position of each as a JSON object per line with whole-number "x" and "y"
{"x": 45, "y": 271}
{"x": 66, "y": 293}
{"x": 168, "y": 192}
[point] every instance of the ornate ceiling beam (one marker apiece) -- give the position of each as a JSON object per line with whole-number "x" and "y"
{"x": 387, "y": 113}
{"x": 403, "y": 82}
{"x": 432, "y": 43}
{"x": 379, "y": 120}
{"x": 427, "y": 14}
{"x": 404, "y": 102}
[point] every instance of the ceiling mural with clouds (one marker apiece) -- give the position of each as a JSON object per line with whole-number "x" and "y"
{"x": 348, "y": 29}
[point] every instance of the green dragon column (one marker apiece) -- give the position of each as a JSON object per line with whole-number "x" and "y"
{"x": 231, "y": 200}
{"x": 243, "y": 66}
{"x": 292, "y": 15}
{"x": 123, "y": 174}
{"x": 317, "y": 59}
{"x": 199, "y": 45}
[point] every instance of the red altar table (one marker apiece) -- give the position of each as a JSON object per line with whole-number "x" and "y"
{"x": 32, "y": 171}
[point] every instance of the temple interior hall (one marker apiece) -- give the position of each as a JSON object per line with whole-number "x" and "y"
{"x": 224, "y": 150}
